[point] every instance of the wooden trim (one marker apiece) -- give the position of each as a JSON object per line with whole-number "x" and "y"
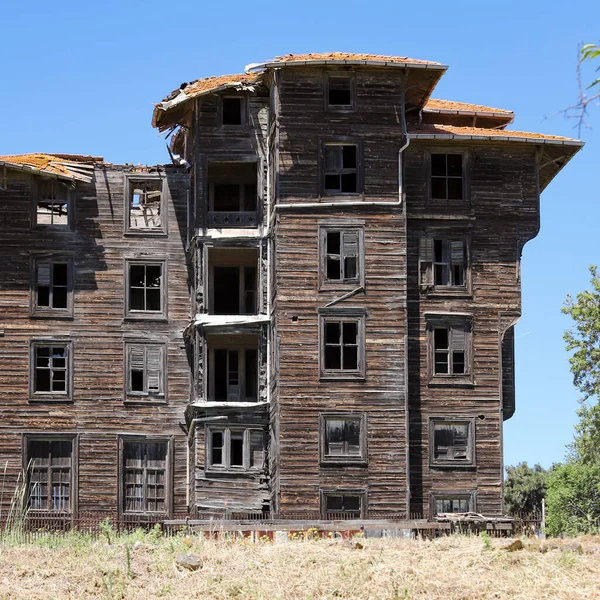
{"x": 343, "y": 460}
{"x": 471, "y": 443}
{"x": 128, "y": 179}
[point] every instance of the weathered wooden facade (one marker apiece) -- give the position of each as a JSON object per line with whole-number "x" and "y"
{"x": 311, "y": 312}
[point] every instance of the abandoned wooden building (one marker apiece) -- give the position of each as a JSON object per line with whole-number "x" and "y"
{"x": 310, "y": 312}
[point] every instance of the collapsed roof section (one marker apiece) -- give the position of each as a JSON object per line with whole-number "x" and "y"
{"x": 73, "y": 167}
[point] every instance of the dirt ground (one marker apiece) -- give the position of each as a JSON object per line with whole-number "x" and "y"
{"x": 145, "y": 567}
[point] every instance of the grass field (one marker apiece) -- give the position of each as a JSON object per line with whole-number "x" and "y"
{"x": 449, "y": 568}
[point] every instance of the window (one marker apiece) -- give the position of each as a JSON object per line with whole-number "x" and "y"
{"x": 145, "y": 206}
{"x": 342, "y": 343}
{"x": 447, "y": 177}
{"x": 233, "y": 374}
{"x": 341, "y": 169}
{"x": 50, "y": 469}
{"x": 50, "y": 370}
{"x": 450, "y": 338}
{"x": 451, "y": 442}
{"x": 52, "y": 203}
{"x": 342, "y": 504}
{"x": 235, "y": 448}
{"x": 452, "y": 502}
{"x": 234, "y": 290}
{"x": 341, "y": 256}
{"x": 52, "y": 288}
{"x": 234, "y": 197}
{"x": 232, "y": 111}
{"x": 343, "y": 438}
{"x": 340, "y": 93}
{"x": 145, "y": 370}
{"x": 146, "y": 297}
{"x": 145, "y": 476}
{"x": 443, "y": 263}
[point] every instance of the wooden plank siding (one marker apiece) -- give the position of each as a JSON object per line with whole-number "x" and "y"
{"x": 98, "y": 247}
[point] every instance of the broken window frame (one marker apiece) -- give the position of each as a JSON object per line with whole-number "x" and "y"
{"x": 130, "y": 183}
{"x": 452, "y": 461}
{"x": 167, "y": 469}
{"x": 460, "y": 339}
{"x": 65, "y": 395}
{"x": 342, "y": 315}
{"x": 345, "y": 514}
{"x": 344, "y": 457}
{"x": 343, "y": 230}
{"x": 340, "y": 171}
{"x": 455, "y": 255}
{"x": 47, "y": 263}
{"x": 147, "y": 348}
{"x": 463, "y": 177}
{"x": 241, "y": 350}
{"x": 37, "y": 191}
{"x": 29, "y": 466}
{"x": 243, "y": 111}
{"x": 468, "y": 497}
{"x": 139, "y": 314}
{"x": 248, "y": 462}
{"x": 350, "y": 76}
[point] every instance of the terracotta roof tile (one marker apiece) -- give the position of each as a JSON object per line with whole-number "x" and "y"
{"x": 339, "y": 56}
{"x": 481, "y": 133}
{"x": 435, "y": 105}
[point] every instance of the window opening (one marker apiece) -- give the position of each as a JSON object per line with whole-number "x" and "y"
{"x": 348, "y": 505}
{"x": 145, "y": 288}
{"x": 50, "y": 464}
{"x": 340, "y": 92}
{"x": 449, "y": 350}
{"x": 341, "y": 255}
{"x": 342, "y": 437}
{"x": 145, "y": 476}
{"x": 51, "y": 368}
{"x": 451, "y": 505}
{"x": 341, "y": 345}
{"x": 232, "y": 111}
{"x": 236, "y": 448}
{"x": 145, "y": 204}
{"x": 52, "y": 285}
{"x": 145, "y": 369}
{"x": 447, "y": 176}
{"x": 341, "y": 169}
{"x": 52, "y": 203}
{"x": 451, "y": 441}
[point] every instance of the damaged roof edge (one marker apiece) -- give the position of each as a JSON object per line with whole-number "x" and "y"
{"x": 373, "y": 63}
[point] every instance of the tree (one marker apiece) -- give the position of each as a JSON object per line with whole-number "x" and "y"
{"x": 573, "y": 501}
{"x": 524, "y": 489}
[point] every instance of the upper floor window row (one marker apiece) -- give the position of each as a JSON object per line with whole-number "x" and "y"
{"x": 447, "y": 176}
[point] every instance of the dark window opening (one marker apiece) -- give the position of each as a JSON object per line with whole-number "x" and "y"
{"x": 447, "y": 176}
{"x": 146, "y": 369}
{"x": 251, "y": 365}
{"x": 51, "y": 369}
{"x": 343, "y": 437}
{"x": 145, "y": 204}
{"x": 340, "y": 92}
{"x": 235, "y": 448}
{"x": 52, "y": 283}
{"x": 145, "y": 288}
{"x": 233, "y": 375}
{"x": 451, "y": 505}
{"x": 49, "y": 472}
{"x": 232, "y": 189}
{"x": 145, "y": 476}
{"x": 232, "y": 111}
{"x": 341, "y": 176}
{"x": 341, "y": 255}
{"x": 449, "y": 348}
{"x": 345, "y": 505}
{"x": 341, "y": 345}
{"x": 234, "y": 290}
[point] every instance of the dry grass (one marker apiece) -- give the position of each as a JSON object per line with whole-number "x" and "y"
{"x": 448, "y": 568}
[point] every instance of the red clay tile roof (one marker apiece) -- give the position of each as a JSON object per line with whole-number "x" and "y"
{"x": 346, "y": 56}
{"x": 52, "y": 164}
{"x": 435, "y": 105}
{"x": 479, "y": 133}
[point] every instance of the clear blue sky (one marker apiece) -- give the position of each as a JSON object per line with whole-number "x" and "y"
{"x": 81, "y": 77}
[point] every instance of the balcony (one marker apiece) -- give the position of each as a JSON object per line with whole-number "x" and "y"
{"x": 233, "y": 196}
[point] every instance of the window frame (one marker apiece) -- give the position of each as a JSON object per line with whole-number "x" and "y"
{"x": 145, "y": 398}
{"x": 123, "y": 439}
{"x": 427, "y": 263}
{"x": 51, "y": 396}
{"x": 343, "y": 315}
{"x": 337, "y": 108}
{"x": 360, "y": 459}
{"x": 324, "y": 230}
{"x": 244, "y": 108}
{"x": 130, "y": 179}
{"x": 341, "y": 141}
{"x": 247, "y": 431}
{"x": 469, "y": 495}
{"x": 35, "y": 197}
{"x": 139, "y": 315}
{"x": 357, "y": 492}
{"x": 452, "y": 322}
{"x": 440, "y": 202}
{"x": 453, "y": 463}
{"x": 28, "y": 437}
{"x": 46, "y": 311}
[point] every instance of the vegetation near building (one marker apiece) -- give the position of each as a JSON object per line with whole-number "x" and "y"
{"x": 310, "y": 312}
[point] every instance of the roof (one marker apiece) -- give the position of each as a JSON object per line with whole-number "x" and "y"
{"x": 452, "y": 107}
{"x": 64, "y": 166}
{"x": 449, "y": 132}
{"x": 347, "y": 58}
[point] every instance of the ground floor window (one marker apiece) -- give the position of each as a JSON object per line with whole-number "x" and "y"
{"x": 343, "y": 504}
